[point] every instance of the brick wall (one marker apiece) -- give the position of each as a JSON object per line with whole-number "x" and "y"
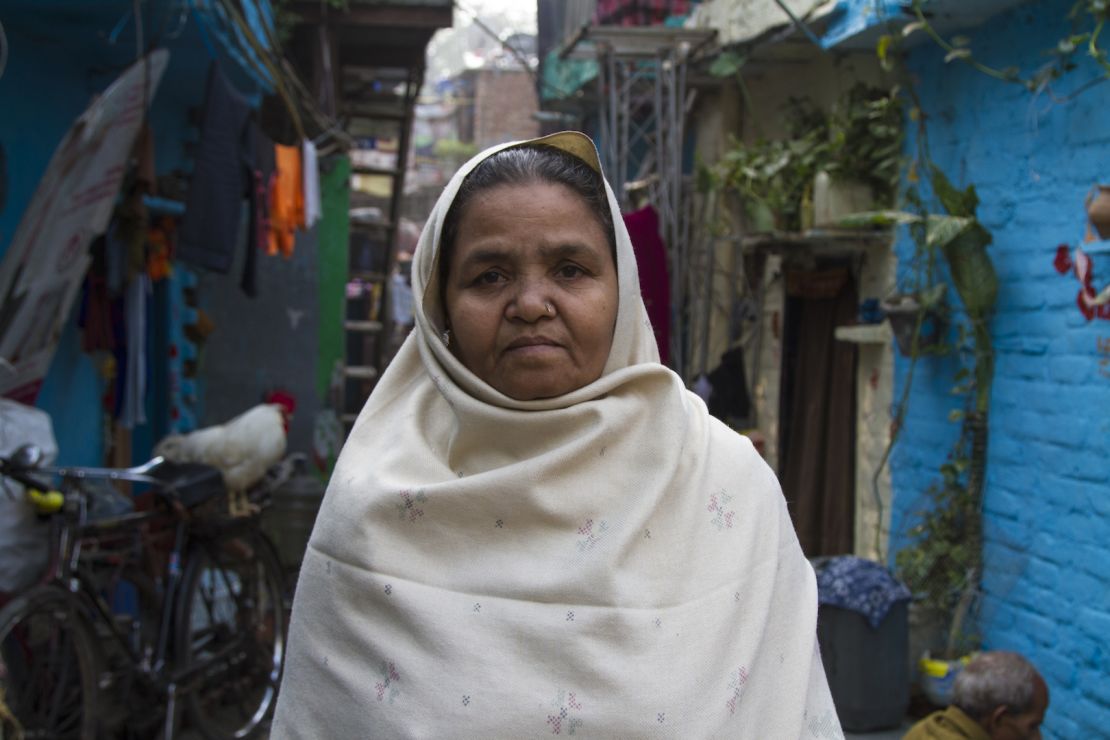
{"x": 504, "y": 101}
{"x": 1047, "y": 502}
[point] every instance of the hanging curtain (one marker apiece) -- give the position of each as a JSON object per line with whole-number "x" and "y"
{"x": 817, "y": 465}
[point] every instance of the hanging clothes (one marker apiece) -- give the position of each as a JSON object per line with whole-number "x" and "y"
{"x": 220, "y": 180}
{"x": 261, "y": 179}
{"x": 651, "y": 263}
{"x": 132, "y": 407}
{"x": 95, "y": 314}
{"x": 286, "y": 200}
{"x": 265, "y": 167}
{"x": 729, "y": 400}
{"x": 311, "y": 172}
{"x": 638, "y": 12}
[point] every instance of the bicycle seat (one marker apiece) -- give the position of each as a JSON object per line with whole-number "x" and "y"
{"x": 194, "y": 483}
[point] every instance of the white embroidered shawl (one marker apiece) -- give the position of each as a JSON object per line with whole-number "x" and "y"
{"x": 612, "y": 563}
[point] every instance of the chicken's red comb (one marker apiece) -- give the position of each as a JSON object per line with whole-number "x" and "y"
{"x": 282, "y": 398}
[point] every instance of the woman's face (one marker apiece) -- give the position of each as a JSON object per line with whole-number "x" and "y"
{"x": 531, "y": 290}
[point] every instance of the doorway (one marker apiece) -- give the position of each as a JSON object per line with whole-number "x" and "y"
{"x": 817, "y": 407}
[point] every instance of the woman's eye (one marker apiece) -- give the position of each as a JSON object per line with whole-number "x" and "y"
{"x": 571, "y": 271}
{"x": 489, "y": 277}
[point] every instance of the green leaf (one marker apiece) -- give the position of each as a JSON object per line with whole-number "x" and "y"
{"x": 972, "y": 270}
{"x": 727, "y": 64}
{"x": 871, "y": 219}
{"x": 883, "y": 48}
{"x": 912, "y": 28}
{"x": 955, "y": 415}
{"x": 957, "y": 54}
{"x": 932, "y": 296}
{"x": 942, "y": 230}
{"x": 961, "y": 41}
{"x": 956, "y": 202}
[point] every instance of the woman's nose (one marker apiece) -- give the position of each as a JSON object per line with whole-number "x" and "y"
{"x": 532, "y": 301}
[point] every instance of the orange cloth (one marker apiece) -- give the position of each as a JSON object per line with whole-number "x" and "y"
{"x": 286, "y": 200}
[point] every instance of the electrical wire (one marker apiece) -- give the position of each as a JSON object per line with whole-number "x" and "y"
{"x": 325, "y": 122}
{"x": 267, "y": 65}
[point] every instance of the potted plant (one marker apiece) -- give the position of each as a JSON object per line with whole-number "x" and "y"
{"x": 774, "y": 177}
{"x": 917, "y": 319}
{"x": 864, "y": 154}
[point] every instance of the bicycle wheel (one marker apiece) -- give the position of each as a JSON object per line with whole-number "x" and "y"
{"x": 231, "y": 636}
{"x": 48, "y": 666}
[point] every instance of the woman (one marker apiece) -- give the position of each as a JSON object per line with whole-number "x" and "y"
{"x": 534, "y": 528}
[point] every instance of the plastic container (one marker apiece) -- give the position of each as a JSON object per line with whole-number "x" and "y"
{"x": 938, "y": 677}
{"x": 867, "y": 669}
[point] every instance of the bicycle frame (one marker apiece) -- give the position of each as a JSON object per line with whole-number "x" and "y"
{"x": 187, "y": 566}
{"x": 73, "y": 528}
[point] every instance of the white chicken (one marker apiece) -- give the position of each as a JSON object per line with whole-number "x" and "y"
{"x": 243, "y": 449}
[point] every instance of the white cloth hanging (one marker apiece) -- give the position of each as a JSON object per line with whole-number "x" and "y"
{"x": 311, "y": 173}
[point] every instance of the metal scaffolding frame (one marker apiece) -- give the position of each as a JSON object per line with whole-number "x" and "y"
{"x": 642, "y": 104}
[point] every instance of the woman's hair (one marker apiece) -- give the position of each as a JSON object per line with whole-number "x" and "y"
{"x": 522, "y": 165}
{"x": 994, "y": 679}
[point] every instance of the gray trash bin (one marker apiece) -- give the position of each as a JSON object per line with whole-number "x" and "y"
{"x": 867, "y": 666}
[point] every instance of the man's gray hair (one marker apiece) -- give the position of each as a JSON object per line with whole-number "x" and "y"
{"x": 994, "y": 679}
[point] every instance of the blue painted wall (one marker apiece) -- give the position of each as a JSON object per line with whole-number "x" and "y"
{"x": 58, "y": 72}
{"x": 61, "y": 53}
{"x": 1047, "y": 501}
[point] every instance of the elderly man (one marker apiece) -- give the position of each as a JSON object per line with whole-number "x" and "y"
{"x": 998, "y": 696}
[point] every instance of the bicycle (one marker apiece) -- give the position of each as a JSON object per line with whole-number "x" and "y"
{"x": 168, "y": 604}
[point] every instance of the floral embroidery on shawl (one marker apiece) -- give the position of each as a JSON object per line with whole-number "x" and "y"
{"x": 718, "y": 502}
{"x": 563, "y": 704}
{"x": 408, "y": 506}
{"x": 737, "y": 679}
{"x": 390, "y": 679}
{"x": 591, "y": 538}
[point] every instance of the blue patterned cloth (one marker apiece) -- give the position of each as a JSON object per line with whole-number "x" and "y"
{"x": 862, "y": 586}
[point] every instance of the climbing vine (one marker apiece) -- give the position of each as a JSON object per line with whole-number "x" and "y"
{"x": 942, "y": 563}
{"x": 1087, "y": 19}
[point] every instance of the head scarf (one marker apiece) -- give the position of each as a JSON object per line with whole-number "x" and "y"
{"x": 609, "y": 563}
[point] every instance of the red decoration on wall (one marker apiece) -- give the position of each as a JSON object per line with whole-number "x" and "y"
{"x": 1062, "y": 263}
{"x": 1092, "y": 303}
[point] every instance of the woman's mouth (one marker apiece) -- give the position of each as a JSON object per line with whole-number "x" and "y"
{"x": 530, "y": 342}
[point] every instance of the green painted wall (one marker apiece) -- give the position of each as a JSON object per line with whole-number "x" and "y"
{"x": 332, "y": 232}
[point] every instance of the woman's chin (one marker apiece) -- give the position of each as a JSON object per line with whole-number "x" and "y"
{"x": 538, "y": 384}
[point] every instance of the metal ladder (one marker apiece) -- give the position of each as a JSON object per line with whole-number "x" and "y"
{"x": 378, "y": 105}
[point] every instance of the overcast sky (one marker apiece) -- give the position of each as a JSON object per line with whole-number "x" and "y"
{"x": 453, "y": 49}
{"x": 521, "y": 12}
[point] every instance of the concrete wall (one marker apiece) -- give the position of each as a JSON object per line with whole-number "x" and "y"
{"x": 264, "y": 343}
{"x": 1047, "y": 501}
{"x": 874, "y": 396}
